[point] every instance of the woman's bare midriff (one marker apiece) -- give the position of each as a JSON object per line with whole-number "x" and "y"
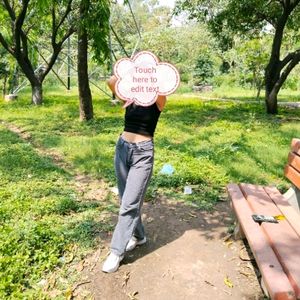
{"x": 135, "y": 137}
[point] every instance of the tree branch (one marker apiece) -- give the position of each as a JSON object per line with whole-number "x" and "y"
{"x": 18, "y": 26}
{"x": 68, "y": 10}
{"x": 53, "y": 37}
{"x": 56, "y": 51}
{"x": 5, "y": 45}
{"x": 20, "y": 19}
{"x": 24, "y": 43}
{"x": 267, "y": 18}
{"x": 295, "y": 2}
{"x": 287, "y": 59}
{"x": 10, "y": 10}
{"x": 288, "y": 69}
{"x": 291, "y": 5}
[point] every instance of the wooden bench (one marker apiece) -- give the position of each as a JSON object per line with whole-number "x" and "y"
{"x": 275, "y": 246}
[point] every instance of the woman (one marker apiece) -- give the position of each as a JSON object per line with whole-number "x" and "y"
{"x": 134, "y": 159}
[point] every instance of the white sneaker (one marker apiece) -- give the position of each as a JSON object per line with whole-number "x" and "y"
{"x": 135, "y": 242}
{"x": 112, "y": 263}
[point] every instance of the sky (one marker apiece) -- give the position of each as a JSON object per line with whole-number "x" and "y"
{"x": 167, "y": 2}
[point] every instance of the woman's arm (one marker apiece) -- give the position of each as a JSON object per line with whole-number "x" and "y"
{"x": 161, "y": 102}
{"x": 111, "y": 82}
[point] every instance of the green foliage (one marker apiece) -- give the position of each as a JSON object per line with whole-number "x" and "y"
{"x": 96, "y": 21}
{"x": 248, "y": 60}
{"x": 253, "y": 17}
{"x": 8, "y": 71}
{"x": 204, "y": 70}
{"x": 40, "y": 218}
{"x": 235, "y": 15}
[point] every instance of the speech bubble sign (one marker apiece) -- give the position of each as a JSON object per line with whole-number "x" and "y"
{"x": 143, "y": 78}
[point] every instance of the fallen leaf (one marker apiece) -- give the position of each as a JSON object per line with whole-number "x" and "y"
{"x": 228, "y": 243}
{"x": 227, "y": 237}
{"x": 69, "y": 293}
{"x": 132, "y": 295}
{"x": 192, "y": 215}
{"x": 126, "y": 277}
{"x": 279, "y": 217}
{"x": 247, "y": 274}
{"x": 228, "y": 282}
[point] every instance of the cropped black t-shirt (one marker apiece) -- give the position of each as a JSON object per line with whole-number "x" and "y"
{"x": 140, "y": 119}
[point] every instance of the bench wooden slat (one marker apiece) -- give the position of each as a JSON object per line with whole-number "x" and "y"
{"x": 294, "y": 161}
{"x": 292, "y": 175}
{"x": 283, "y": 239}
{"x": 295, "y": 146}
{"x": 286, "y": 209}
{"x": 274, "y": 277}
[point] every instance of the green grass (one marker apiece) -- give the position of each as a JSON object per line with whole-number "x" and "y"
{"x": 247, "y": 94}
{"x": 42, "y": 216}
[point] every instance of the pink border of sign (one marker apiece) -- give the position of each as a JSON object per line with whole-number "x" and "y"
{"x": 153, "y": 100}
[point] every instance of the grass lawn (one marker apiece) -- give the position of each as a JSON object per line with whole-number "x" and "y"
{"x": 243, "y": 94}
{"x": 42, "y": 216}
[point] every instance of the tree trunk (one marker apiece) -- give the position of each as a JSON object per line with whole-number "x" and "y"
{"x": 85, "y": 96}
{"x": 258, "y": 93}
{"x": 273, "y": 68}
{"x": 271, "y": 102}
{"x": 35, "y": 80}
{"x": 37, "y": 93}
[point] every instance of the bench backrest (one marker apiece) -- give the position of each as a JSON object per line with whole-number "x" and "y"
{"x": 292, "y": 169}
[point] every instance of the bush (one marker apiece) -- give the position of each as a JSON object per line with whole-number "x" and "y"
{"x": 228, "y": 80}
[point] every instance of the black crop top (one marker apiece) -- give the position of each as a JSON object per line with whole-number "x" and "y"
{"x": 140, "y": 119}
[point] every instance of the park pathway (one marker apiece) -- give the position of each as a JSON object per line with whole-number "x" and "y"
{"x": 189, "y": 255}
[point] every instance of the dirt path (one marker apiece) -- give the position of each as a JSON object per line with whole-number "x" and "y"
{"x": 188, "y": 254}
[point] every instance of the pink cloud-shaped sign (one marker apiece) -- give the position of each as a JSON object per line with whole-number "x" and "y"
{"x": 143, "y": 78}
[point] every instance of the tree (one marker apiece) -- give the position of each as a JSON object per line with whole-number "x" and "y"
{"x": 228, "y": 17}
{"x": 204, "y": 69}
{"x": 26, "y": 20}
{"x": 254, "y": 54}
{"x": 4, "y": 70}
{"x": 85, "y": 95}
{"x": 94, "y": 26}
